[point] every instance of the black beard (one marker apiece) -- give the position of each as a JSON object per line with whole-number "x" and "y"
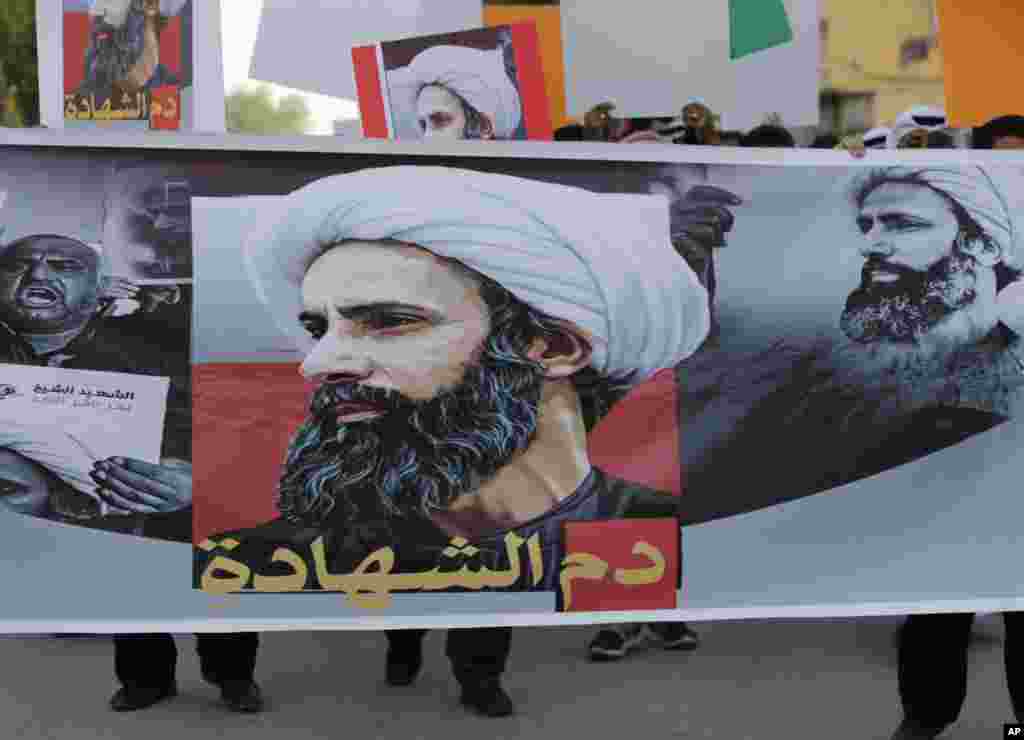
{"x": 108, "y": 62}
{"x": 418, "y": 456}
{"x": 905, "y": 310}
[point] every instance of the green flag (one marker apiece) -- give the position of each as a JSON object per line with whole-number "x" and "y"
{"x": 755, "y": 25}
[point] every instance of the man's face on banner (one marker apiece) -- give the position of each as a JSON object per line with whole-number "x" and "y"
{"x": 117, "y": 39}
{"x": 24, "y": 486}
{"x": 916, "y": 284}
{"x": 414, "y": 406}
{"x": 48, "y": 285}
{"x": 440, "y": 113}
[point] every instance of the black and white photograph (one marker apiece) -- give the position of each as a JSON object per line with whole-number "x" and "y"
{"x": 95, "y": 275}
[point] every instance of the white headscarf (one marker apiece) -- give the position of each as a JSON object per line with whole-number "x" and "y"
{"x": 877, "y": 138}
{"x": 1011, "y": 307}
{"x": 603, "y": 262}
{"x": 477, "y": 76}
{"x": 56, "y": 451}
{"x": 909, "y": 120}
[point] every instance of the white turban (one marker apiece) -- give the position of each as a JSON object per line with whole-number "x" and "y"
{"x": 56, "y": 451}
{"x": 877, "y": 138}
{"x": 927, "y": 117}
{"x": 477, "y": 76}
{"x": 603, "y": 262}
{"x": 1011, "y": 307}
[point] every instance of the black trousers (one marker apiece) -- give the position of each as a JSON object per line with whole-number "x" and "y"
{"x": 933, "y": 666}
{"x": 477, "y": 654}
{"x": 149, "y": 660}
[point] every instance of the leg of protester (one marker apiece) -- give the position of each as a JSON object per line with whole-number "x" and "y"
{"x": 404, "y": 656}
{"x": 228, "y": 661}
{"x": 932, "y": 673}
{"x": 478, "y": 658}
{"x": 1013, "y": 648}
{"x": 145, "y": 666}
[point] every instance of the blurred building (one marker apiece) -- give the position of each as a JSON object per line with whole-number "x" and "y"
{"x": 879, "y": 58}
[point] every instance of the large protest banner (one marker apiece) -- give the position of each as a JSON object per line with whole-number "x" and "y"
{"x": 539, "y": 384}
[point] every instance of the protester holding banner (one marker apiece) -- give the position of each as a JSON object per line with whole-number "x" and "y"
{"x": 933, "y": 647}
{"x": 475, "y": 450}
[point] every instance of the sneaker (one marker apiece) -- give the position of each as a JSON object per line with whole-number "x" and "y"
{"x": 675, "y": 636}
{"x": 488, "y": 699}
{"x": 910, "y": 730}
{"x": 132, "y": 699}
{"x": 613, "y": 643}
{"x": 242, "y": 696}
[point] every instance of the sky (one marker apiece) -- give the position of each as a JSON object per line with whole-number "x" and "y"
{"x": 239, "y": 27}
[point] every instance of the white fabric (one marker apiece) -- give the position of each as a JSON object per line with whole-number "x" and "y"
{"x": 60, "y": 453}
{"x": 877, "y": 138}
{"x": 1011, "y": 307}
{"x": 905, "y": 123}
{"x": 478, "y": 76}
{"x": 603, "y": 262}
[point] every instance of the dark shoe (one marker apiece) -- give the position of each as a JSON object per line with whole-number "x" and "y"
{"x": 909, "y": 730}
{"x": 242, "y": 696}
{"x": 133, "y": 699}
{"x": 613, "y": 643}
{"x": 676, "y": 636}
{"x": 488, "y": 699}
{"x": 402, "y": 670}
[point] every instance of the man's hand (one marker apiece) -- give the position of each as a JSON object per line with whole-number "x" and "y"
{"x": 703, "y": 215}
{"x": 117, "y": 288}
{"x": 131, "y": 486}
{"x": 151, "y": 297}
{"x": 854, "y": 145}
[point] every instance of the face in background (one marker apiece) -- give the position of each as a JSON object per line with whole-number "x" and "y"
{"x": 920, "y": 138}
{"x": 695, "y": 115}
{"x": 24, "y": 485}
{"x": 440, "y": 113}
{"x": 1008, "y": 142}
{"x": 921, "y": 283}
{"x": 48, "y": 284}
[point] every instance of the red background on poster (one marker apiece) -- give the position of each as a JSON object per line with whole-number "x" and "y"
{"x": 76, "y": 41}
{"x": 613, "y": 542}
{"x": 245, "y": 414}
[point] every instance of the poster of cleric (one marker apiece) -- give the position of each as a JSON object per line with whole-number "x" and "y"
{"x": 534, "y": 376}
{"x": 127, "y": 63}
{"x": 95, "y": 312}
{"x": 484, "y": 83}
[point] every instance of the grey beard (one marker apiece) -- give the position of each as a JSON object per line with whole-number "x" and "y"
{"x": 917, "y": 304}
{"x": 879, "y": 383}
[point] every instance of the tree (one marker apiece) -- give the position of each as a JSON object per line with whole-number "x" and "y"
{"x": 19, "y": 66}
{"x": 252, "y": 110}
